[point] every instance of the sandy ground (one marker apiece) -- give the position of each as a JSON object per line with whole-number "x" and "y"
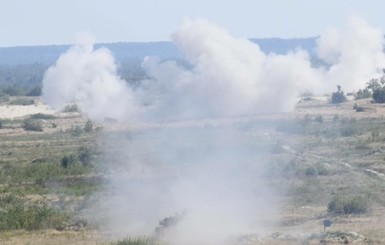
{"x": 16, "y": 111}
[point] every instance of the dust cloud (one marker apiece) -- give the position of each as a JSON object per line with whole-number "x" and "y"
{"x": 210, "y": 178}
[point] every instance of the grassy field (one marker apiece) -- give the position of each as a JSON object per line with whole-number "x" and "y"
{"x": 326, "y": 160}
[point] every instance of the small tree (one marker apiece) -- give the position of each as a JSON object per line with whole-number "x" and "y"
{"x": 85, "y": 155}
{"x": 89, "y": 126}
{"x": 363, "y": 94}
{"x": 339, "y": 96}
{"x": 377, "y": 87}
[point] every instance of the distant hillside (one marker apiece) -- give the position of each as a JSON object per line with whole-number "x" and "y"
{"x": 282, "y": 46}
{"x": 126, "y": 52}
{"x": 22, "y": 68}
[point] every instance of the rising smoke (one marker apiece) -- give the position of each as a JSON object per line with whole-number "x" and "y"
{"x": 354, "y": 55}
{"x": 211, "y": 175}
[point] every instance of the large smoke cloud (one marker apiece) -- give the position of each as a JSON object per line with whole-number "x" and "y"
{"x": 228, "y": 76}
{"x": 354, "y": 55}
{"x": 88, "y": 78}
{"x": 215, "y": 175}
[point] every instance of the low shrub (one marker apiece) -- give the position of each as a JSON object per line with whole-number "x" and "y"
{"x": 89, "y": 126}
{"x": 68, "y": 160}
{"x": 347, "y": 131}
{"x": 32, "y": 124}
{"x": 363, "y": 94}
{"x": 135, "y": 241}
{"x": 35, "y": 91}
{"x": 76, "y": 130}
{"x": 4, "y": 98}
{"x": 311, "y": 171}
{"x": 16, "y": 214}
{"x": 348, "y": 205}
{"x": 71, "y": 108}
{"x": 22, "y": 101}
{"x": 85, "y": 155}
{"x": 319, "y": 119}
{"x": 316, "y": 170}
{"x": 42, "y": 116}
{"x": 358, "y": 108}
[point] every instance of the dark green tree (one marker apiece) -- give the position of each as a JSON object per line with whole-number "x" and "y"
{"x": 339, "y": 96}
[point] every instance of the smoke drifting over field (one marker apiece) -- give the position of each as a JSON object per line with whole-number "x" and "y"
{"x": 214, "y": 176}
{"x": 224, "y": 70}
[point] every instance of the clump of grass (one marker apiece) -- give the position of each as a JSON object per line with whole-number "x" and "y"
{"x": 316, "y": 170}
{"x": 16, "y": 214}
{"x": 319, "y": 119}
{"x": 22, "y": 101}
{"x": 42, "y": 116}
{"x": 348, "y": 205}
{"x": 71, "y": 108}
{"x": 361, "y": 145}
{"x": 77, "y": 130}
{"x": 135, "y": 241}
{"x": 68, "y": 160}
{"x": 347, "y": 131}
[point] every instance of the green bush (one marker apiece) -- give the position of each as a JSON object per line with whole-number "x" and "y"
{"x": 85, "y": 156}
{"x": 68, "y": 160}
{"x": 89, "y": 126}
{"x": 348, "y": 205}
{"x": 32, "y": 124}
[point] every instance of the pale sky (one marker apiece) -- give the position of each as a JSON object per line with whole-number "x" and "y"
{"x": 40, "y": 22}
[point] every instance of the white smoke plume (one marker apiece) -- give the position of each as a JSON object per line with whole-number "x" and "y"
{"x": 355, "y": 55}
{"x": 214, "y": 183}
{"x": 214, "y": 176}
{"x": 229, "y": 77}
{"x": 88, "y": 78}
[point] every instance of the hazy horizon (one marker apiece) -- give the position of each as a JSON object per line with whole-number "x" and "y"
{"x": 44, "y": 22}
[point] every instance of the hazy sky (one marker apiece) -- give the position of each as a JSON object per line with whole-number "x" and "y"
{"x": 27, "y": 22}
